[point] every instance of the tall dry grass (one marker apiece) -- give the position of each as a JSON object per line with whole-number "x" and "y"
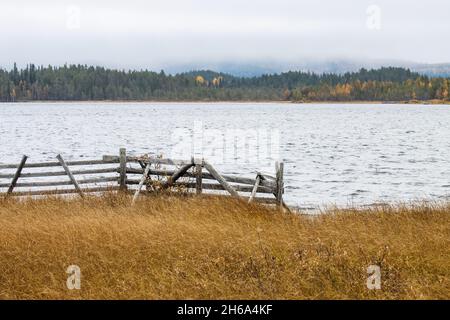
{"x": 172, "y": 248}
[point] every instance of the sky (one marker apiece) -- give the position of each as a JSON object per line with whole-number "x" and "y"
{"x": 155, "y": 34}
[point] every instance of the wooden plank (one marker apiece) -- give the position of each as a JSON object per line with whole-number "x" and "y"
{"x": 210, "y": 186}
{"x": 255, "y": 188}
{"x": 17, "y": 174}
{"x": 61, "y": 183}
{"x": 141, "y": 183}
{"x": 154, "y": 171}
{"x": 71, "y": 177}
{"x": 60, "y": 173}
{"x": 207, "y": 176}
{"x": 220, "y": 179}
{"x": 266, "y": 176}
{"x": 217, "y": 186}
{"x": 115, "y": 159}
{"x": 61, "y": 191}
{"x": 123, "y": 169}
{"x": 171, "y": 162}
{"x": 151, "y": 160}
{"x": 248, "y": 181}
{"x": 262, "y": 200}
{"x": 57, "y": 164}
{"x": 198, "y": 178}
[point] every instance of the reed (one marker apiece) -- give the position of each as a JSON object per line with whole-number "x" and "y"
{"x": 214, "y": 248}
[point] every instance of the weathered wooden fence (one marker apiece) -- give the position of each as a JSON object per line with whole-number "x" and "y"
{"x": 137, "y": 175}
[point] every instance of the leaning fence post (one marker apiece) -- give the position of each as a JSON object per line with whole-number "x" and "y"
{"x": 221, "y": 180}
{"x": 17, "y": 175}
{"x": 255, "y": 188}
{"x": 141, "y": 183}
{"x": 123, "y": 169}
{"x": 71, "y": 177}
{"x": 178, "y": 174}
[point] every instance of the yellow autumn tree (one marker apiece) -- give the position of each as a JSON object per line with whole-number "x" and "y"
{"x": 217, "y": 81}
{"x": 199, "y": 80}
{"x": 445, "y": 90}
{"x": 342, "y": 90}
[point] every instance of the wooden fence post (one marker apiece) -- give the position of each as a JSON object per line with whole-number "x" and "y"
{"x": 280, "y": 183}
{"x": 17, "y": 175}
{"x": 198, "y": 178}
{"x": 71, "y": 177}
{"x": 123, "y": 169}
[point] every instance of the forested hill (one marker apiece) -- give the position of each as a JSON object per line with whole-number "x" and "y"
{"x": 80, "y": 82}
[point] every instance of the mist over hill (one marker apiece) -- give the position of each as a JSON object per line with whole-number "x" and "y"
{"x": 338, "y": 66}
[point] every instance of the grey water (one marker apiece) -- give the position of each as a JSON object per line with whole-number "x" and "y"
{"x": 342, "y": 154}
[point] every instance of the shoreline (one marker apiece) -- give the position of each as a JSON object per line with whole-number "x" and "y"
{"x": 416, "y": 102}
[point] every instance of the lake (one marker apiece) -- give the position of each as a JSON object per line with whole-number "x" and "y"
{"x": 344, "y": 154}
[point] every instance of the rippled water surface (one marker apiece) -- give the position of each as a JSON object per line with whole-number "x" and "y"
{"x": 333, "y": 154}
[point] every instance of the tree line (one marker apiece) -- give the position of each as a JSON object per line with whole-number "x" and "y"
{"x": 82, "y": 82}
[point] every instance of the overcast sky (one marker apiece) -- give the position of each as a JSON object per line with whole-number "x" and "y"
{"x": 154, "y": 34}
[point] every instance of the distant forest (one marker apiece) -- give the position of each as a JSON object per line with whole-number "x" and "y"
{"x": 81, "y": 82}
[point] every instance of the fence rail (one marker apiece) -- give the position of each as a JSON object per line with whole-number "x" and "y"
{"x": 133, "y": 173}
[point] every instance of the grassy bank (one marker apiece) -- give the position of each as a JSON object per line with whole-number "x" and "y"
{"x": 209, "y": 248}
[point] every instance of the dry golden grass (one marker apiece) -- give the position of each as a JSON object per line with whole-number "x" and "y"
{"x": 172, "y": 248}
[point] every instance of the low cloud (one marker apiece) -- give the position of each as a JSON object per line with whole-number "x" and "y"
{"x": 156, "y": 34}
